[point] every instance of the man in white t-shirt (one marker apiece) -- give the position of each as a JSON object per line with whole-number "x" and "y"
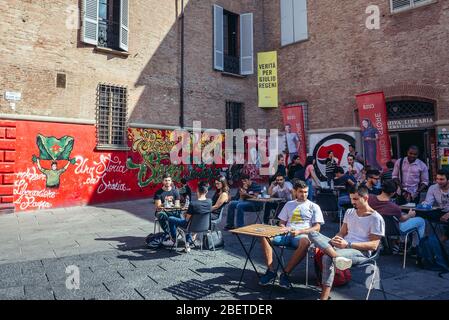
{"x": 360, "y": 235}
{"x": 300, "y": 217}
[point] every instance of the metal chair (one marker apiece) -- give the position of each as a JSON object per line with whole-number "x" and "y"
{"x": 392, "y": 229}
{"x": 373, "y": 262}
{"x": 198, "y": 223}
{"x": 309, "y": 251}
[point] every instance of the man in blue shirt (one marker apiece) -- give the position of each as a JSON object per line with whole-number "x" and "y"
{"x": 240, "y": 202}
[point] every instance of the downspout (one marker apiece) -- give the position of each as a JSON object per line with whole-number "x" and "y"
{"x": 181, "y": 98}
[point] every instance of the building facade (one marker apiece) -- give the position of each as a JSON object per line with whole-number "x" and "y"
{"x": 92, "y": 89}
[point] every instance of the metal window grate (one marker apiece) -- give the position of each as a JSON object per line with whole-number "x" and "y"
{"x": 111, "y": 115}
{"x": 234, "y": 115}
{"x": 400, "y": 5}
{"x": 410, "y": 109}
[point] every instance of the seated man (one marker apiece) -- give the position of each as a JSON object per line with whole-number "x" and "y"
{"x": 200, "y": 206}
{"x": 439, "y": 194}
{"x": 278, "y": 189}
{"x": 383, "y": 204}
{"x": 372, "y": 179}
{"x": 300, "y": 217}
{"x": 247, "y": 191}
{"x": 360, "y": 234}
{"x": 347, "y": 180}
{"x": 166, "y": 195}
{"x": 185, "y": 192}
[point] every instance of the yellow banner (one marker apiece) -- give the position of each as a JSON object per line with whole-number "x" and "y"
{"x": 267, "y": 79}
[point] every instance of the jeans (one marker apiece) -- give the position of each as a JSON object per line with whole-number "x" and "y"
{"x": 311, "y": 195}
{"x": 328, "y": 272}
{"x": 163, "y": 219}
{"x": 174, "y": 222}
{"x": 343, "y": 200}
{"x": 288, "y": 240}
{"x": 416, "y": 222}
{"x": 241, "y": 206}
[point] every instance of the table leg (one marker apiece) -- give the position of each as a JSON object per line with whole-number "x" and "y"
{"x": 258, "y": 220}
{"x": 248, "y": 257}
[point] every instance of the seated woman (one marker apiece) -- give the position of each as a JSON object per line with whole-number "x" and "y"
{"x": 200, "y": 206}
{"x": 220, "y": 198}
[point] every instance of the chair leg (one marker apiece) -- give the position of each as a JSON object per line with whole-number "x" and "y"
{"x": 372, "y": 282}
{"x": 405, "y": 251}
{"x": 307, "y": 268}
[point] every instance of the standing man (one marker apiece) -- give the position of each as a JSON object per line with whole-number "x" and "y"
{"x": 296, "y": 169}
{"x": 300, "y": 217}
{"x": 355, "y": 154}
{"x": 331, "y": 165}
{"x": 360, "y": 235}
{"x": 439, "y": 194}
{"x": 292, "y": 142}
{"x": 240, "y": 202}
{"x": 411, "y": 175}
{"x": 166, "y": 195}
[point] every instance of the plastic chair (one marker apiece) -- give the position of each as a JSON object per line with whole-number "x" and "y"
{"x": 198, "y": 223}
{"x": 216, "y": 222}
{"x": 392, "y": 229}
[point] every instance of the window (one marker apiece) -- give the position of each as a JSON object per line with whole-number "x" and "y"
{"x": 233, "y": 42}
{"x": 105, "y": 23}
{"x": 111, "y": 116}
{"x": 234, "y": 115}
{"x": 293, "y": 21}
{"x": 401, "y": 5}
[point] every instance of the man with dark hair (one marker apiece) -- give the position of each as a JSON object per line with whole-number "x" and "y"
{"x": 354, "y": 168}
{"x": 296, "y": 169}
{"x": 331, "y": 164}
{"x": 248, "y": 190}
{"x": 300, "y": 217}
{"x": 200, "y": 206}
{"x": 347, "y": 180}
{"x": 355, "y": 154}
{"x": 372, "y": 180}
{"x": 359, "y": 236}
{"x": 388, "y": 175}
{"x": 382, "y": 203}
{"x": 439, "y": 194}
{"x": 185, "y": 191}
{"x": 166, "y": 197}
{"x": 279, "y": 188}
{"x": 411, "y": 175}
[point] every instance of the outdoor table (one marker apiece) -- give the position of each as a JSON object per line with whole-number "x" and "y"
{"x": 258, "y": 231}
{"x": 264, "y": 202}
{"x": 433, "y": 217}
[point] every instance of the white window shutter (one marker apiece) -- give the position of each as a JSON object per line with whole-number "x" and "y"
{"x": 300, "y": 20}
{"x": 124, "y": 24}
{"x": 246, "y": 44}
{"x": 286, "y": 22}
{"x": 218, "y": 38}
{"x": 90, "y": 22}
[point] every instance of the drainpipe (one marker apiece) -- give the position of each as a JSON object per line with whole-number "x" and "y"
{"x": 181, "y": 98}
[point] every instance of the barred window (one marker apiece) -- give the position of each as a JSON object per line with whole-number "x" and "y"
{"x": 401, "y": 5}
{"x": 111, "y": 116}
{"x": 234, "y": 115}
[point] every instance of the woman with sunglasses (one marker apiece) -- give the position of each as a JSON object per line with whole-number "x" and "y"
{"x": 221, "y": 196}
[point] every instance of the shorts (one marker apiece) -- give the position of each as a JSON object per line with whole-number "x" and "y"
{"x": 288, "y": 240}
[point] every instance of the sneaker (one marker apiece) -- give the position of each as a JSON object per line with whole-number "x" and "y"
{"x": 226, "y": 227}
{"x": 187, "y": 248}
{"x": 267, "y": 278}
{"x": 342, "y": 263}
{"x": 284, "y": 281}
{"x": 168, "y": 243}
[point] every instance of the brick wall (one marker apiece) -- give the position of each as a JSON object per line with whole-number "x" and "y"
{"x": 407, "y": 57}
{"x": 7, "y": 161}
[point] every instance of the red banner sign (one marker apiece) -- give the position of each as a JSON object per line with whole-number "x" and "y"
{"x": 373, "y": 121}
{"x": 295, "y": 133}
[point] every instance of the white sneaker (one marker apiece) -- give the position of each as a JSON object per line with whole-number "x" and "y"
{"x": 168, "y": 243}
{"x": 342, "y": 263}
{"x": 187, "y": 248}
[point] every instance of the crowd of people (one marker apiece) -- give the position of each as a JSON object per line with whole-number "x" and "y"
{"x": 367, "y": 195}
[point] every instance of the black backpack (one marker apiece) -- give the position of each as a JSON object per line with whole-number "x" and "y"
{"x": 154, "y": 240}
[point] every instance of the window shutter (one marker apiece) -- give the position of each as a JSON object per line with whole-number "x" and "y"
{"x": 286, "y": 22}
{"x": 246, "y": 44}
{"x": 300, "y": 20}
{"x": 400, "y": 4}
{"x": 218, "y": 38}
{"x": 124, "y": 24}
{"x": 90, "y": 22}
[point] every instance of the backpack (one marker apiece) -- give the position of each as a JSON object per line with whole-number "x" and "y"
{"x": 154, "y": 240}
{"x": 341, "y": 278}
{"x": 430, "y": 255}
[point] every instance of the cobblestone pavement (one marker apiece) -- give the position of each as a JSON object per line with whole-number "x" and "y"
{"x": 106, "y": 243}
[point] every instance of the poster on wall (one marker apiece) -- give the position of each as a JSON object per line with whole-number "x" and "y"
{"x": 295, "y": 133}
{"x": 338, "y": 143}
{"x": 267, "y": 79}
{"x": 373, "y": 122}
